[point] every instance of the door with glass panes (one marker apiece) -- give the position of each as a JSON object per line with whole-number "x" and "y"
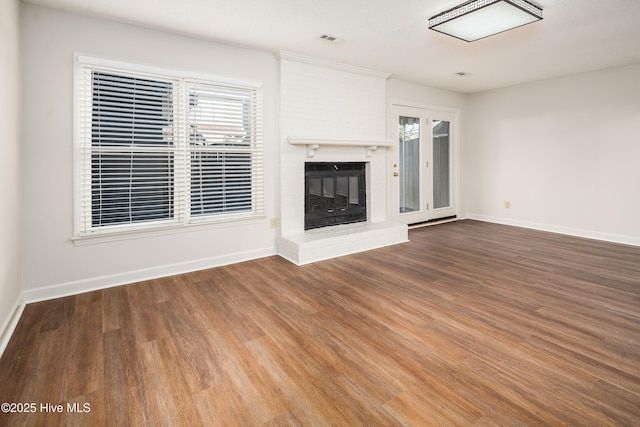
{"x": 422, "y": 186}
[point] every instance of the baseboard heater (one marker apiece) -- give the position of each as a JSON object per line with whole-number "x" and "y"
{"x": 433, "y": 221}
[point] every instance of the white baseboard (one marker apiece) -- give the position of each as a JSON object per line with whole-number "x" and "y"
{"x": 102, "y": 282}
{"x": 577, "y": 232}
{"x": 9, "y": 324}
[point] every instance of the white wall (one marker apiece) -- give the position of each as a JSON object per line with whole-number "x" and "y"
{"x": 424, "y": 95}
{"x": 564, "y": 152}
{"x": 52, "y": 264}
{"x": 10, "y": 281}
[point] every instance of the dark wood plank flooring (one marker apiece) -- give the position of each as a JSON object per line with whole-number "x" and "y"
{"x": 469, "y": 324}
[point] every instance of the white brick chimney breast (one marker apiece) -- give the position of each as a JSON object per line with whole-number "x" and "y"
{"x": 332, "y": 113}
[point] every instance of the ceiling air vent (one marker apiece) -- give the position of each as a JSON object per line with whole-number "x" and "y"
{"x": 331, "y": 39}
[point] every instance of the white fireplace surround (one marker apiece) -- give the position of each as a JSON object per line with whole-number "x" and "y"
{"x": 332, "y": 113}
{"x": 307, "y": 246}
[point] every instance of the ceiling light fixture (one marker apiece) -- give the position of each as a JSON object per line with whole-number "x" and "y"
{"x": 477, "y": 19}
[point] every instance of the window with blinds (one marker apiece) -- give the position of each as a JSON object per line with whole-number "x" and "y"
{"x": 158, "y": 150}
{"x": 221, "y": 144}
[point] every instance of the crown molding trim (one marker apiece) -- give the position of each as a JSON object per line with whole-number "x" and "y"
{"x": 290, "y": 56}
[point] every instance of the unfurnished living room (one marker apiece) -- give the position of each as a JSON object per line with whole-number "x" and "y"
{"x": 309, "y": 213}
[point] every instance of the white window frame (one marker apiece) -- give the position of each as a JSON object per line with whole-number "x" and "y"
{"x": 84, "y": 230}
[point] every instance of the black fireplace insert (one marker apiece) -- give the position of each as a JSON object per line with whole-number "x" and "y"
{"x": 335, "y": 193}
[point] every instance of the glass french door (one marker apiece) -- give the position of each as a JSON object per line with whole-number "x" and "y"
{"x": 422, "y": 186}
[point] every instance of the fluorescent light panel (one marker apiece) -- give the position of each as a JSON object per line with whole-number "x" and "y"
{"x": 478, "y": 19}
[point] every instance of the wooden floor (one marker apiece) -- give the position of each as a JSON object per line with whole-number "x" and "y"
{"x": 469, "y": 324}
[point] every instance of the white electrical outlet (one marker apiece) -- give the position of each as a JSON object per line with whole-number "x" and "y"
{"x": 273, "y": 223}
{"x": 507, "y": 204}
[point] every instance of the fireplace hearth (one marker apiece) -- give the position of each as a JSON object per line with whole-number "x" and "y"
{"x": 335, "y": 193}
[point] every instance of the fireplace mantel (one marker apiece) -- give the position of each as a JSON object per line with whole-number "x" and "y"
{"x": 313, "y": 144}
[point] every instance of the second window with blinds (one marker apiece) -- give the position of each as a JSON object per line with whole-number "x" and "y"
{"x": 160, "y": 148}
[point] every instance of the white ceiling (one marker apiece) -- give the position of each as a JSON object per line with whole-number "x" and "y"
{"x": 392, "y": 35}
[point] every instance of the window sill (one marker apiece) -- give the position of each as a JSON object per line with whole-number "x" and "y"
{"x": 165, "y": 230}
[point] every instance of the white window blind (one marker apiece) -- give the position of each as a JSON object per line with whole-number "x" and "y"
{"x": 225, "y": 149}
{"x": 157, "y": 150}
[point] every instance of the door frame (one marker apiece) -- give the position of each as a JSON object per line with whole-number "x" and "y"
{"x": 431, "y": 112}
